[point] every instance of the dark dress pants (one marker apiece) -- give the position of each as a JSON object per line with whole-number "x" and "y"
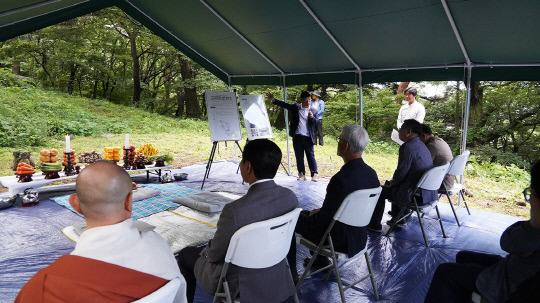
{"x": 303, "y": 230}
{"x": 318, "y": 132}
{"x": 376, "y": 218}
{"x": 186, "y": 262}
{"x": 301, "y": 145}
{"x": 455, "y": 282}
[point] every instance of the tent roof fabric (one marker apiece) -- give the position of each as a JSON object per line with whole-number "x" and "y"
{"x": 318, "y": 41}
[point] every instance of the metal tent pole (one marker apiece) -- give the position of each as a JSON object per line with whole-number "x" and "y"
{"x": 287, "y": 125}
{"x": 361, "y": 98}
{"x": 466, "y": 113}
{"x": 231, "y": 90}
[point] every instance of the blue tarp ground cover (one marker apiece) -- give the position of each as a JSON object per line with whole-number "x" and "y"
{"x": 31, "y": 239}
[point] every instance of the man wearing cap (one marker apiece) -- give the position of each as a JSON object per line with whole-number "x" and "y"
{"x": 412, "y": 109}
{"x": 318, "y": 104}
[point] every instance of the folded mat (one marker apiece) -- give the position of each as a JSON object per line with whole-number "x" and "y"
{"x": 146, "y": 207}
{"x": 143, "y": 193}
{"x": 204, "y": 201}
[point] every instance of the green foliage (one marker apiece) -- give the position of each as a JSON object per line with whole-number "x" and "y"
{"x": 7, "y": 79}
{"x": 488, "y": 154}
{"x": 496, "y": 171}
{"x": 31, "y": 116}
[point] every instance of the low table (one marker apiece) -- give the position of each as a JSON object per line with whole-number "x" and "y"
{"x": 15, "y": 187}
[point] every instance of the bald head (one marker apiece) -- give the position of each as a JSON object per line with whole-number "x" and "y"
{"x": 102, "y": 192}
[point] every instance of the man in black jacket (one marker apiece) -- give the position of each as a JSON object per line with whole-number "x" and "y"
{"x": 302, "y": 130}
{"x": 355, "y": 174}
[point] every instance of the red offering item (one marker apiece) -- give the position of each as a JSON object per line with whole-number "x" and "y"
{"x": 24, "y": 169}
{"x": 73, "y": 157}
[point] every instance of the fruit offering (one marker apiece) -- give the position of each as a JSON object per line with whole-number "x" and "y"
{"x": 73, "y": 157}
{"x": 131, "y": 153}
{"x": 89, "y": 157}
{"x": 147, "y": 150}
{"x": 46, "y": 167}
{"x": 48, "y": 155}
{"x": 140, "y": 161}
{"x": 112, "y": 153}
{"x": 25, "y": 171}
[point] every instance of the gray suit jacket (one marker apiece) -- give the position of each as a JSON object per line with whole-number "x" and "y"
{"x": 262, "y": 201}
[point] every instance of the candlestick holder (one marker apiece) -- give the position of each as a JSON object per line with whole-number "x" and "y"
{"x": 69, "y": 170}
{"x": 126, "y": 165}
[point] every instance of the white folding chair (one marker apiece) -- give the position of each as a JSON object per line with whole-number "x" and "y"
{"x": 258, "y": 245}
{"x": 166, "y": 293}
{"x": 355, "y": 210}
{"x": 457, "y": 169}
{"x": 431, "y": 180}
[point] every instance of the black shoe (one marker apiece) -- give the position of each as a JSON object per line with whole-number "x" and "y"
{"x": 400, "y": 223}
{"x": 319, "y": 263}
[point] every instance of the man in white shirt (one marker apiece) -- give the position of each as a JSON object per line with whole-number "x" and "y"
{"x": 113, "y": 260}
{"x": 412, "y": 110}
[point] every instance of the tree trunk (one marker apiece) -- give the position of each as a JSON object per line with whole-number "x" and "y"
{"x": 457, "y": 108}
{"x": 72, "y": 74}
{"x": 401, "y": 88}
{"x": 16, "y": 67}
{"x": 94, "y": 93}
{"x": 193, "y": 109}
{"x": 136, "y": 70}
{"x": 180, "y": 97}
{"x": 476, "y": 111}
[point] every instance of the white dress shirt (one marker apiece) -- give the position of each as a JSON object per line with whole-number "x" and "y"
{"x": 414, "y": 111}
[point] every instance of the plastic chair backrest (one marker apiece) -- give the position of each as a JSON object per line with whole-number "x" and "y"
{"x": 457, "y": 165}
{"x": 166, "y": 293}
{"x": 433, "y": 178}
{"x": 262, "y": 244}
{"x": 358, "y": 206}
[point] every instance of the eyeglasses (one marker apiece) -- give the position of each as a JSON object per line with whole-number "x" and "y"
{"x": 527, "y": 194}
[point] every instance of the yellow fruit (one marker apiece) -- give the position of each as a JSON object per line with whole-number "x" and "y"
{"x": 147, "y": 150}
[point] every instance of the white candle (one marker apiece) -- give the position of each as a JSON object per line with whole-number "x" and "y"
{"x": 126, "y": 144}
{"x": 68, "y": 149}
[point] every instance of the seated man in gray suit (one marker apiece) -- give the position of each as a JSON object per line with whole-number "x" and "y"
{"x": 264, "y": 200}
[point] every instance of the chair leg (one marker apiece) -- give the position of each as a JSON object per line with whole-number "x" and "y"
{"x": 295, "y": 294}
{"x": 421, "y": 225}
{"x": 371, "y": 277}
{"x": 227, "y": 292}
{"x": 395, "y": 222}
{"x": 306, "y": 270}
{"x": 338, "y": 277}
{"x": 464, "y": 202}
{"x": 453, "y": 210}
{"x": 440, "y": 221}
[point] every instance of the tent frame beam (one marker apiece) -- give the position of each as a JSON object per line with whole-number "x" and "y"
{"x": 330, "y": 35}
{"x": 456, "y": 32}
{"x": 32, "y": 6}
{"x": 176, "y": 38}
{"x": 473, "y": 65}
{"x": 241, "y": 36}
